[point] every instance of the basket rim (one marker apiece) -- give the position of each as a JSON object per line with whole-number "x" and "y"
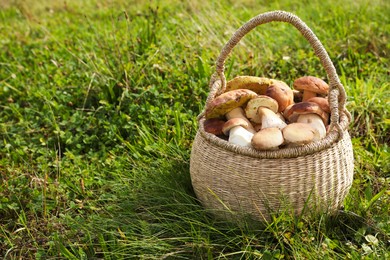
{"x": 330, "y": 139}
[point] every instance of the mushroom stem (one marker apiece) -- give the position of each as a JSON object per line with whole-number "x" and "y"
{"x": 308, "y": 94}
{"x": 269, "y": 119}
{"x": 240, "y": 136}
{"x": 238, "y": 112}
{"x": 281, "y": 117}
{"x": 314, "y": 121}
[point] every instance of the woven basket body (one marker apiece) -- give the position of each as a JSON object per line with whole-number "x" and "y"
{"x": 234, "y": 185}
{"x": 235, "y": 181}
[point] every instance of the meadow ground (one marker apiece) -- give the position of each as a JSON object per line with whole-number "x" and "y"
{"x": 98, "y": 106}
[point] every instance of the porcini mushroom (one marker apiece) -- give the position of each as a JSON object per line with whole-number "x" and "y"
{"x": 214, "y": 126}
{"x": 285, "y": 112}
{"x": 269, "y": 118}
{"x": 235, "y": 128}
{"x": 238, "y": 112}
{"x": 263, "y": 109}
{"x": 311, "y": 86}
{"x": 227, "y": 101}
{"x": 322, "y": 102}
{"x": 296, "y": 134}
{"x": 309, "y": 113}
{"x": 256, "y": 84}
{"x": 282, "y": 93}
{"x": 280, "y": 115}
{"x": 267, "y": 139}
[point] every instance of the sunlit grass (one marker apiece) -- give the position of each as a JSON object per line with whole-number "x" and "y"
{"x": 98, "y": 106}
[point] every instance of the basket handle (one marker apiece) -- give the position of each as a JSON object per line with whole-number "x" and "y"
{"x": 337, "y": 94}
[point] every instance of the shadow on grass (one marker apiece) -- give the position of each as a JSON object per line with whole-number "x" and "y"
{"x": 154, "y": 213}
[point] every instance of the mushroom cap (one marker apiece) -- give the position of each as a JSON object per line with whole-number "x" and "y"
{"x": 260, "y": 101}
{"x": 233, "y": 123}
{"x": 314, "y": 121}
{"x": 285, "y": 111}
{"x": 256, "y": 84}
{"x": 267, "y": 139}
{"x": 303, "y": 108}
{"x": 282, "y": 93}
{"x": 214, "y": 126}
{"x": 299, "y": 133}
{"x": 227, "y": 101}
{"x": 312, "y": 84}
{"x": 322, "y": 102}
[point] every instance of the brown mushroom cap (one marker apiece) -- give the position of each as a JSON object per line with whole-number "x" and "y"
{"x": 312, "y": 84}
{"x": 322, "y": 102}
{"x": 233, "y": 123}
{"x": 259, "y": 101}
{"x": 299, "y": 134}
{"x": 256, "y": 84}
{"x": 282, "y": 93}
{"x": 305, "y": 108}
{"x": 285, "y": 111}
{"x": 267, "y": 139}
{"x": 227, "y": 101}
{"x": 214, "y": 126}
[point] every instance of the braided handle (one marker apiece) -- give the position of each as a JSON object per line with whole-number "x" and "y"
{"x": 337, "y": 94}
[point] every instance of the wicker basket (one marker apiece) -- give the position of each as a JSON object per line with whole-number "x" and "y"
{"x": 234, "y": 181}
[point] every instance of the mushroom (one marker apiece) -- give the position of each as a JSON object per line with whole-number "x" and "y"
{"x": 260, "y": 101}
{"x": 269, "y": 118}
{"x": 309, "y": 113}
{"x": 314, "y": 121}
{"x": 282, "y": 93}
{"x": 322, "y": 102}
{"x": 297, "y": 134}
{"x": 256, "y": 84}
{"x": 227, "y": 101}
{"x": 238, "y": 112}
{"x": 280, "y": 115}
{"x": 268, "y": 139}
{"x": 263, "y": 109}
{"x": 285, "y": 112}
{"x": 214, "y": 126}
{"x": 311, "y": 86}
{"x": 236, "y": 129}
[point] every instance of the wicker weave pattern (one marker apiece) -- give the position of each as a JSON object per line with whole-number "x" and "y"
{"x": 255, "y": 186}
{"x": 231, "y": 180}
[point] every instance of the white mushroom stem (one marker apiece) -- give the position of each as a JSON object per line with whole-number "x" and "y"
{"x": 281, "y": 117}
{"x": 238, "y": 112}
{"x": 240, "y": 136}
{"x": 314, "y": 121}
{"x": 270, "y": 119}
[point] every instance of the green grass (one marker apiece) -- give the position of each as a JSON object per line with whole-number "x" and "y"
{"x": 98, "y": 106}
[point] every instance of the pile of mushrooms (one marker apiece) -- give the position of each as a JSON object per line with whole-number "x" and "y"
{"x": 267, "y": 114}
